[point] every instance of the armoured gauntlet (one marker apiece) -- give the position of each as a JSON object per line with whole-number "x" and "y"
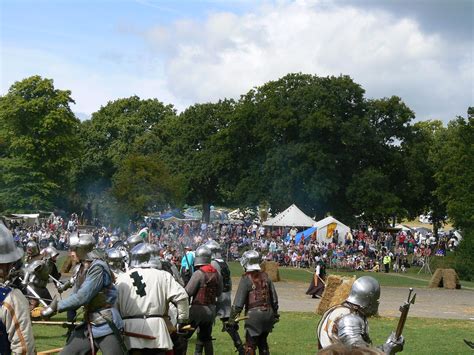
{"x": 393, "y": 345}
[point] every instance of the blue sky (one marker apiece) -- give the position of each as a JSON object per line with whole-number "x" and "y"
{"x": 183, "y": 52}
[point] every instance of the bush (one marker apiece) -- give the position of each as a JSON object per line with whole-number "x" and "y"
{"x": 464, "y": 257}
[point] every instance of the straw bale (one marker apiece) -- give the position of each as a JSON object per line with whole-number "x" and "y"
{"x": 450, "y": 279}
{"x": 336, "y": 291}
{"x": 436, "y": 279}
{"x": 271, "y": 268}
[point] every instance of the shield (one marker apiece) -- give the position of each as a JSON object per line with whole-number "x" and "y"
{"x": 327, "y": 332}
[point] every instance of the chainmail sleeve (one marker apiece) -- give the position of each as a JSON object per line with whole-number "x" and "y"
{"x": 241, "y": 295}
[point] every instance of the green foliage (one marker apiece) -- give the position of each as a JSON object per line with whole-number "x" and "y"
{"x": 38, "y": 144}
{"x": 309, "y": 140}
{"x": 195, "y": 145}
{"x": 115, "y": 134}
{"x": 111, "y": 134}
{"x": 454, "y": 161}
{"x": 464, "y": 257}
{"x": 372, "y": 191}
{"x": 143, "y": 182}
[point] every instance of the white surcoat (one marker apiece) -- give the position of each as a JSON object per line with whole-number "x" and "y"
{"x": 148, "y": 292}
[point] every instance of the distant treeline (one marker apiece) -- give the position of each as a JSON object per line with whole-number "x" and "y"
{"x": 314, "y": 141}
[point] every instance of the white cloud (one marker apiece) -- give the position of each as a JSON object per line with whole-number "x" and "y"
{"x": 91, "y": 87}
{"x": 225, "y": 55}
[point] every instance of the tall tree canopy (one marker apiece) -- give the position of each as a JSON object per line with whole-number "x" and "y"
{"x": 111, "y": 134}
{"x": 195, "y": 145}
{"x": 38, "y": 145}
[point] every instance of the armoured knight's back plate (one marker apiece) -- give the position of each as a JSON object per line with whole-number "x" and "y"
{"x": 327, "y": 334}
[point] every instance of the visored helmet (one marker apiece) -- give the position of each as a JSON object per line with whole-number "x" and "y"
{"x": 365, "y": 293}
{"x": 155, "y": 259}
{"x": 215, "y": 248}
{"x": 50, "y": 252}
{"x": 203, "y": 256}
{"x": 82, "y": 244}
{"x": 133, "y": 240}
{"x": 114, "y": 239}
{"x": 32, "y": 248}
{"x": 140, "y": 255}
{"x": 9, "y": 253}
{"x": 114, "y": 255}
{"x": 250, "y": 260}
{"x": 115, "y": 258}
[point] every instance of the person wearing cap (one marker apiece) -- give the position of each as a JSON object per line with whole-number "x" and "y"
{"x": 16, "y": 333}
{"x": 205, "y": 286}
{"x": 95, "y": 291}
{"x": 256, "y": 293}
{"x": 144, "y": 294}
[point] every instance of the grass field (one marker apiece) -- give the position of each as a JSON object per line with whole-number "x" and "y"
{"x": 410, "y": 279}
{"x": 295, "y": 334}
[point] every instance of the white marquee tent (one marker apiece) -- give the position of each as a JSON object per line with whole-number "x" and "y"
{"x": 291, "y": 217}
{"x": 326, "y": 228}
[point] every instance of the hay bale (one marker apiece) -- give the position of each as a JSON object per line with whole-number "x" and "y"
{"x": 336, "y": 291}
{"x": 436, "y": 279}
{"x": 451, "y": 279}
{"x": 271, "y": 268}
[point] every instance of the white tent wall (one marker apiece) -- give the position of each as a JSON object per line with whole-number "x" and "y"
{"x": 291, "y": 217}
{"x": 322, "y": 227}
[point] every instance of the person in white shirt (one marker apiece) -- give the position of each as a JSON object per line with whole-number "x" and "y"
{"x": 143, "y": 296}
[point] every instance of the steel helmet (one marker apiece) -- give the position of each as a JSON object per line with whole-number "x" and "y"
{"x": 114, "y": 239}
{"x": 140, "y": 255}
{"x": 114, "y": 255}
{"x": 50, "y": 252}
{"x": 82, "y": 244}
{"x": 250, "y": 260}
{"x": 9, "y": 253}
{"x": 133, "y": 240}
{"x": 203, "y": 256}
{"x": 155, "y": 259}
{"x": 365, "y": 293}
{"x": 32, "y": 247}
{"x": 115, "y": 258}
{"x": 214, "y": 247}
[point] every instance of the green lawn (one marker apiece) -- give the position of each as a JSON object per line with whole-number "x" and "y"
{"x": 409, "y": 279}
{"x": 295, "y": 334}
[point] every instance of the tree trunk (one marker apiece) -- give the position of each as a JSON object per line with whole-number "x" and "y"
{"x": 206, "y": 211}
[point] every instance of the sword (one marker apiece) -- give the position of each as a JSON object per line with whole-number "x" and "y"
{"x": 33, "y": 292}
{"x": 57, "y": 282}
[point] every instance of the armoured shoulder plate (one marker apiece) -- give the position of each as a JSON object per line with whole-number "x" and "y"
{"x": 352, "y": 330}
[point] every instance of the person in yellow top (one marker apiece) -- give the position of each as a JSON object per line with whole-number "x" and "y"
{"x": 386, "y": 262}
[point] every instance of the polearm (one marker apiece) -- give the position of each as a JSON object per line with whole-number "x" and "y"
{"x": 404, "y": 313}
